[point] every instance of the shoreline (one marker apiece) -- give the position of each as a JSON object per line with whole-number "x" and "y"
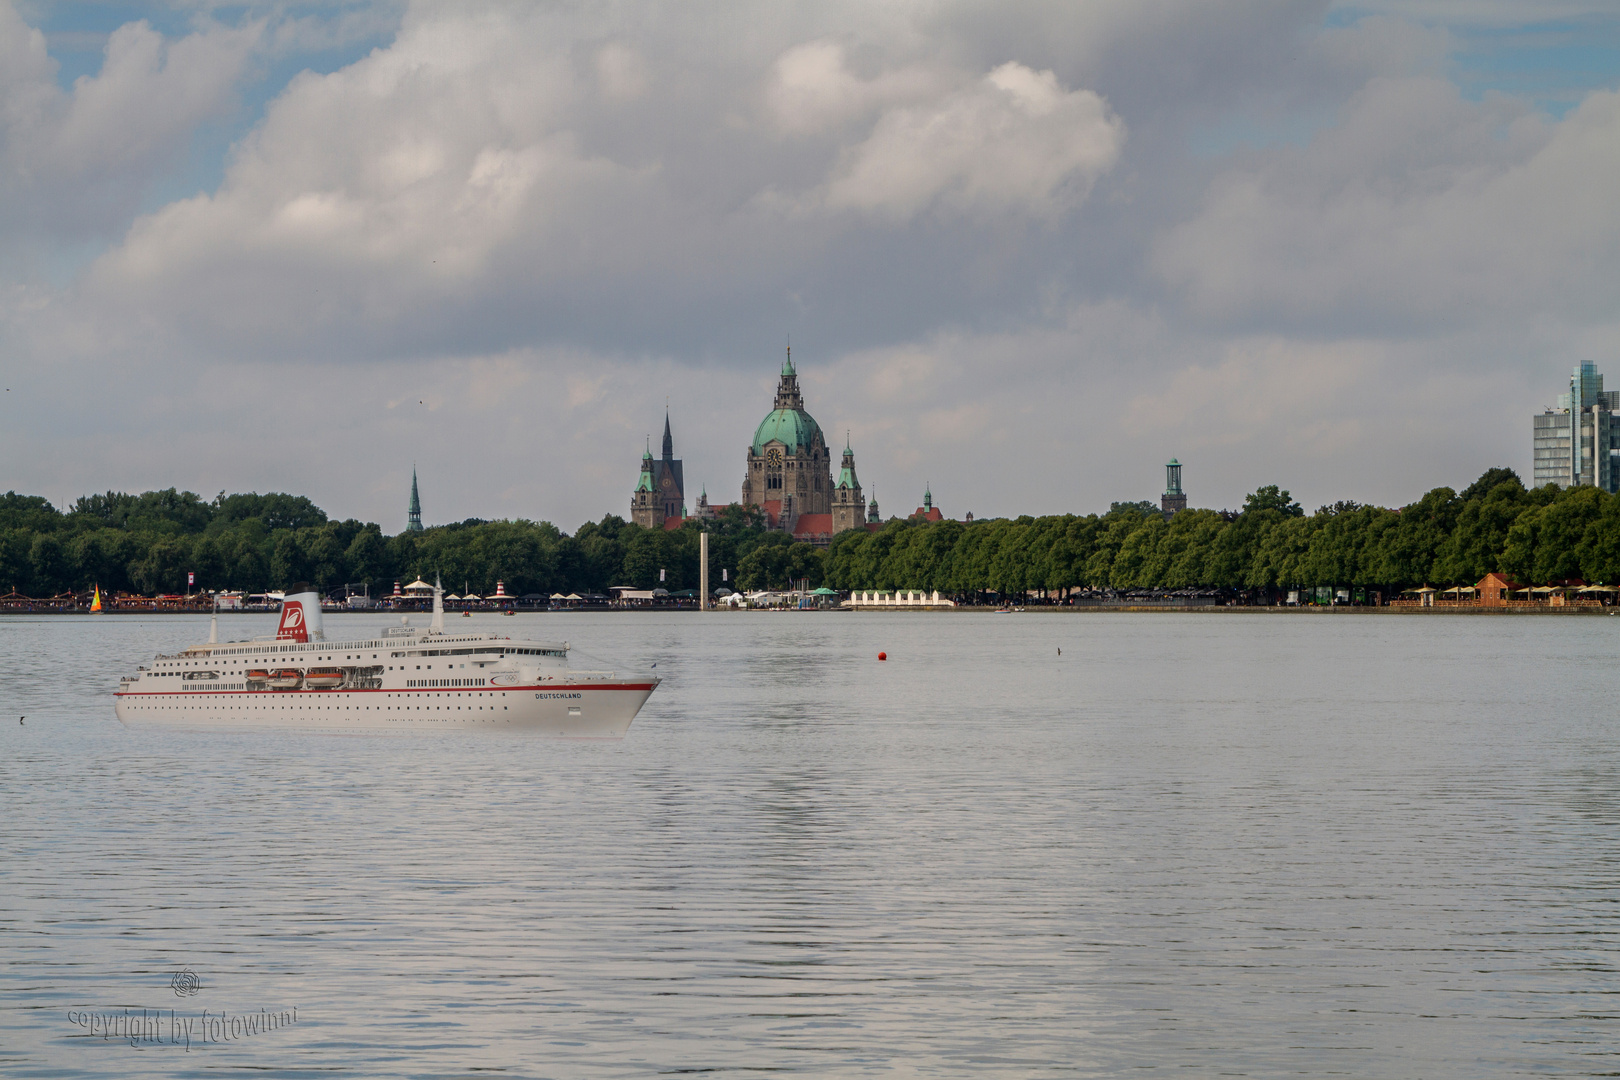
{"x": 1043, "y": 609}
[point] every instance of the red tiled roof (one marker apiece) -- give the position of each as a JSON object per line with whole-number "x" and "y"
{"x": 813, "y": 525}
{"x": 933, "y": 514}
{"x": 773, "y": 510}
{"x": 673, "y": 523}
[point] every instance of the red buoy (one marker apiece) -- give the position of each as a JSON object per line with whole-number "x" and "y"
{"x": 883, "y": 656}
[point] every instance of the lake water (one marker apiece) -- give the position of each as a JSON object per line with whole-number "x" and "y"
{"x": 1249, "y": 845}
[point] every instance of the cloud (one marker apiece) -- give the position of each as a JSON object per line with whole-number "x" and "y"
{"x": 75, "y": 163}
{"x": 1419, "y": 208}
{"x": 1271, "y": 391}
{"x": 1025, "y": 251}
{"x": 813, "y": 89}
{"x": 1016, "y": 140}
{"x": 488, "y": 181}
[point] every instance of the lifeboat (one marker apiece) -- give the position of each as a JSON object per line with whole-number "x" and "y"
{"x": 323, "y": 678}
{"x": 285, "y": 679}
{"x": 258, "y": 675}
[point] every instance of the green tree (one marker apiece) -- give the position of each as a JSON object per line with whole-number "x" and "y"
{"x": 769, "y": 565}
{"x": 1271, "y": 497}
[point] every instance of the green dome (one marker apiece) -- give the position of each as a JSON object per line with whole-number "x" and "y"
{"x": 794, "y": 428}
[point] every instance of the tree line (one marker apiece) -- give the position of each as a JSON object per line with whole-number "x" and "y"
{"x": 1444, "y": 538}
{"x": 148, "y": 543}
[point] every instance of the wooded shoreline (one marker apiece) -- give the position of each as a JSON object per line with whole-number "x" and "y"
{"x": 172, "y": 542}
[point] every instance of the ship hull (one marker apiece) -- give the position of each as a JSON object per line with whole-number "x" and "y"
{"x": 581, "y": 710}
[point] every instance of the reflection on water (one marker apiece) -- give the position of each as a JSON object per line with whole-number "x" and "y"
{"x": 1251, "y": 844}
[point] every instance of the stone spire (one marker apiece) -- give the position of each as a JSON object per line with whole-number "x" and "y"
{"x": 669, "y": 441}
{"x": 787, "y": 389}
{"x": 413, "y": 516}
{"x": 846, "y": 475}
{"x": 848, "y": 509}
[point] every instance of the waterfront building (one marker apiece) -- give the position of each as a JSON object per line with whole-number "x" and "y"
{"x": 1497, "y": 590}
{"x": 413, "y": 515}
{"x": 928, "y": 511}
{"x": 787, "y": 478}
{"x": 703, "y": 511}
{"x": 788, "y": 470}
{"x": 847, "y": 504}
{"x": 1174, "y": 499}
{"x": 659, "y": 500}
{"x": 1577, "y": 441}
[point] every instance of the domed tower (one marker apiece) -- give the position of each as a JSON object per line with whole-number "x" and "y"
{"x": 872, "y": 516}
{"x": 646, "y": 507}
{"x": 789, "y": 468}
{"x": 847, "y": 504}
{"x": 1174, "y": 500}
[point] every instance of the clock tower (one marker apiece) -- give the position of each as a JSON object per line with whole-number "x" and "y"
{"x": 789, "y": 469}
{"x": 646, "y": 509}
{"x": 848, "y": 508}
{"x": 660, "y": 494}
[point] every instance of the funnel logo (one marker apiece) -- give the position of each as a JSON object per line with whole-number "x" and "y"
{"x": 292, "y": 626}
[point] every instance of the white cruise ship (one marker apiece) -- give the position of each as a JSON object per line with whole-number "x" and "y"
{"x": 404, "y": 679}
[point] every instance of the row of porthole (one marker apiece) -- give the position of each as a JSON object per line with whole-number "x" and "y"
{"x": 356, "y": 708}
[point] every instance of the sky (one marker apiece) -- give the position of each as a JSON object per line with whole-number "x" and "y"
{"x": 1025, "y": 253}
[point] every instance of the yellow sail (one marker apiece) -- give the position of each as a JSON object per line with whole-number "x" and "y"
{"x": 95, "y": 601}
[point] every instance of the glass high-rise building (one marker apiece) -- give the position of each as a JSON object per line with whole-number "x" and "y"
{"x": 1578, "y": 441}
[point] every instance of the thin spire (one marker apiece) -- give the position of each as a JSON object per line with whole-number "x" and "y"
{"x": 413, "y": 513}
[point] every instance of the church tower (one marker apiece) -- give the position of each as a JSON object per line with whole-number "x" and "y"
{"x": 847, "y": 504}
{"x": 413, "y": 516}
{"x": 646, "y": 506}
{"x": 872, "y": 516}
{"x": 668, "y": 483}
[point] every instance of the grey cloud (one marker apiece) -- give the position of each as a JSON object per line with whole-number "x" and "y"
{"x": 1418, "y": 209}
{"x": 74, "y": 164}
{"x": 543, "y": 220}
{"x": 486, "y": 176}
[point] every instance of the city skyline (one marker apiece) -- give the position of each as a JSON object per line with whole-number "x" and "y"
{"x": 1342, "y": 248}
